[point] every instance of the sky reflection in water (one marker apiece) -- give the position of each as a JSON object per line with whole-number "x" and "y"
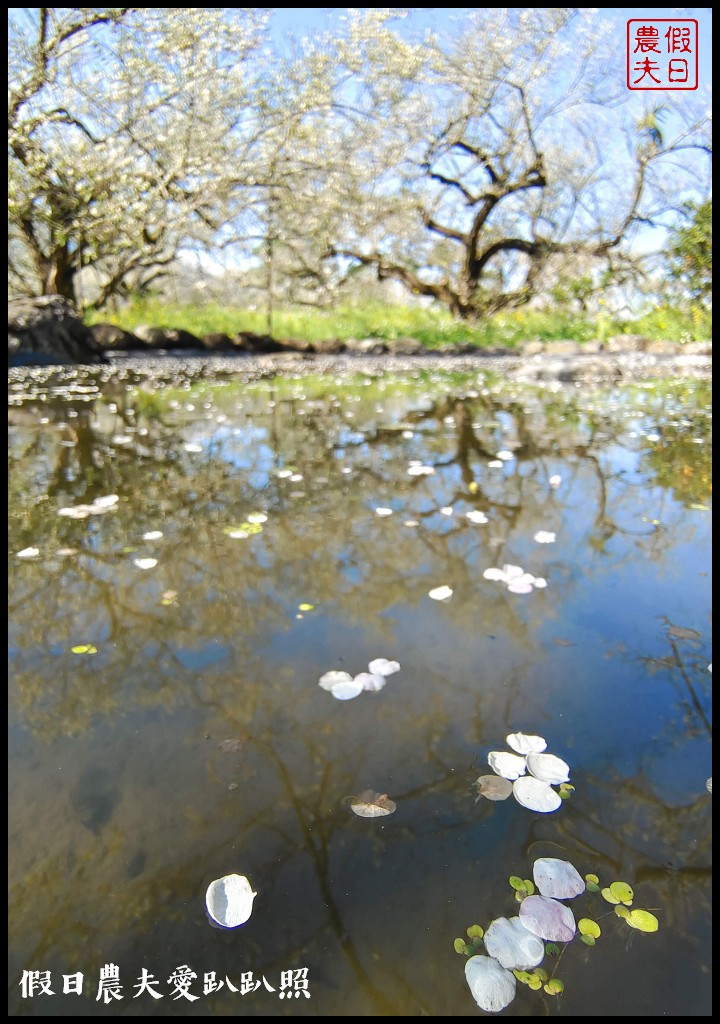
{"x": 197, "y": 743}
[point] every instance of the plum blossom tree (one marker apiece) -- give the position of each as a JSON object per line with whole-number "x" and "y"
{"x": 477, "y": 166}
{"x": 129, "y": 132}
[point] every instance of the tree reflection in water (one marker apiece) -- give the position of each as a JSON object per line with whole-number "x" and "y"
{"x": 197, "y": 742}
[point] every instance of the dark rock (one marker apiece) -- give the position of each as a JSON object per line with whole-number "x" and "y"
{"x": 152, "y": 337}
{"x": 329, "y": 346}
{"x": 297, "y": 345}
{"x": 110, "y": 336}
{"x": 258, "y": 344}
{"x": 181, "y": 339}
{"x": 405, "y": 347}
{"x": 47, "y": 330}
{"x": 160, "y": 337}
{"x": 217, "y": 342}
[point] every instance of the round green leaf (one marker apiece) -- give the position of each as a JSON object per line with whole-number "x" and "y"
{"x": 607, "y": 895}
{"x": 551, "y": 949}
{"x": 84, "y": 649}
{"x": 540, "y": 973}
{"x": 592, "y": 878}
{"x": 643, "y": 920}
{"x": 306, "y": 607}
{"x": 523, "y": 976}
{"x": 588, "y": 940}
{"x": 586, "y": 926}
{"x": 622, "y": 911}
{"x": 529, "y": 887}
{"x": 459, "y": 946}
{"x": 517, "y": 883}
{"x": 554, "y": 987}
{"x": 475, "y": 931}
{"x": 622, "y": 893}
{"x": 534, "y": 983}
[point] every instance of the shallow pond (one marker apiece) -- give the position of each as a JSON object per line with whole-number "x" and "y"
{"x": 190, "y": 553}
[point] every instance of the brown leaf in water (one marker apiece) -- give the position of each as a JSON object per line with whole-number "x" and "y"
{"x": 370, "y": 804}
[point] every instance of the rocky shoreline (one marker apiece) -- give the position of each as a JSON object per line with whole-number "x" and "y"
{"x": 46, "y": 333}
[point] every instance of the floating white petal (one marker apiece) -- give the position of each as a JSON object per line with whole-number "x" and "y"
{"x": 547, "y": 918}
{"x": 476, "y": 517}
{"x": 523, "y": 743}
{"x": 441, "y": 593}
{"x": 522, "y": 584}
{"x": 383, "y": 667}
{"x": 229, "y": 900}
{"x": 331, "y": 679}
{"x": 152, "y": 535}
{"x": 106, "y": 501}
{"x": 371, "y": 681}
{"x": 383, "y": 511}
{"x": 145, "y": 563}
{"x": 536, "y": 795}
{"x": 513, "y": 571}
{"x": 494, "y": 574}
{"x": 548, "y": 768}
{"x": 447, "y": 510}
{"x": 492, "y": 987}
{"x": 544, "y": 537}
{"x": 555, "y": 480}
{"x": 420, "y": 470}
{"x": 28, "y": 553}
{"x": 347, "y": 690}
{"x": 557, "y": 878}
{"x": 516, "y": 948}
{"x": 510, "y": 766}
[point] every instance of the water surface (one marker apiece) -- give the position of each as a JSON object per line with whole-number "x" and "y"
{"x": 195, "y": 740}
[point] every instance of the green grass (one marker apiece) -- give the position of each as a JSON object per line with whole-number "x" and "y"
{"x": 433, "y": 327}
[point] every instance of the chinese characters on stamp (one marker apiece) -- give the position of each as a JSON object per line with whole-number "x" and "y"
{"x": 662, "y": 53}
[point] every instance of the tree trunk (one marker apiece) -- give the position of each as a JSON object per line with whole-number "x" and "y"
{"x": 59, "y": 274}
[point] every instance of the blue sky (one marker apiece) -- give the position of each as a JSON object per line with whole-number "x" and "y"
{"x": 307, "y": 21}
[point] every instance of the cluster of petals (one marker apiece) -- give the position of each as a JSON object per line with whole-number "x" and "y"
{"x": 343, "y": 686}
{"x": 528, "y": 773}
{"x": 517, "y": 580}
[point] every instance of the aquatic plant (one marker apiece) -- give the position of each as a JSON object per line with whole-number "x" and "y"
{"x": 515, "y": 948}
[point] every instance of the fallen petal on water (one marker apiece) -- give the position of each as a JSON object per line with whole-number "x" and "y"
{"x": 229, "y": 900}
